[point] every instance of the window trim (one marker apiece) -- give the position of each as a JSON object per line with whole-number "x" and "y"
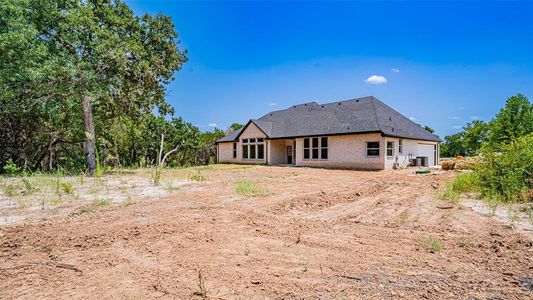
{"x": 379, "y": 149}
{"x": 400, "y": 146}
{"x": 310, "y": 148}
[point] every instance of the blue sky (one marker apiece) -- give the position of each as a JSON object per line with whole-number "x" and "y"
{"x": 445, "y": 63}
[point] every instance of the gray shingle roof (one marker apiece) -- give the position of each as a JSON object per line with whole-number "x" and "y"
{"x": 360, "y": 115}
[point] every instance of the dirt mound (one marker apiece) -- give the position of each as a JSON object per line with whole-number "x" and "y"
{"x": 324, "y": 199}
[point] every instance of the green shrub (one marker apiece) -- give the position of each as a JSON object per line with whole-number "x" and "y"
{"x": 11, "y": 168}
{"x": 507, "y": 175}
{"x": 66, "y": 188}
{"x": 248, "y": 187}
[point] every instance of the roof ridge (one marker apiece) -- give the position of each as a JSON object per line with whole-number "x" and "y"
{"x": 375, "y": 112}
{"x": 402, "y": 116}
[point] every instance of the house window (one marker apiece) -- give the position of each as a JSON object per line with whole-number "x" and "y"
{"x": 260, "y": 151}
{"x": 306, "y": 148}
{"x": 324, "y": 148}
{"x": 252, "y": 151}
{"x": 316, "y": 148}
{"x": 390, "y": 148}
{"x": 400, "y": 146}
{"x": 234, "y": 150}
{"x": 372, "y": 148}
{"x": 244, "y": 151}
{"x": 253, "y": 148}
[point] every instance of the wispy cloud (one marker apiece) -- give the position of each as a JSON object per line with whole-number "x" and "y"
{"x": 474, "y": 118}
{"x": 212, "y": 125}
{"x": 454, "y": 118}
{"x": 272, "y": 104}
{"x": 457, "y": 126}
{"x": 394, "y": 70}
{"x": 376, "y": 79}
{"x": 413, "y": 119}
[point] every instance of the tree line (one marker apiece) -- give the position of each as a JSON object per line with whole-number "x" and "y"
{"x": 83, "y": 83}
{"x": 513, "y": 121}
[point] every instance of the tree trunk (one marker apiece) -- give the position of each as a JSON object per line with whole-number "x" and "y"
{"x": 89, "y": 135}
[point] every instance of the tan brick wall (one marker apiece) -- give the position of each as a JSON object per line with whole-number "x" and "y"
{"x": 225, "y": 153}
{"x": 346, "y": 152}
{"x": 277, "y": 152}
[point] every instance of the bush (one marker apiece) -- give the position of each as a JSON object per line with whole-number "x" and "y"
{"x": 507, "y": 175}
{"x": 11, "y": 168}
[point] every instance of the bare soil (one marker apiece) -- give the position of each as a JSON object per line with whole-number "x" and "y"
{"x": 311, "y": 233}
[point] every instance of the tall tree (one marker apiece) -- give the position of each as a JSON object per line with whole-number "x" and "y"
{"x": 474, "y": 133}
{"x": 96, "y": 53}
{"x": 513, "y": 121}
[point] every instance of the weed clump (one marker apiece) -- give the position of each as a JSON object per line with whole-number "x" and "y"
{"x": 198, "y": 177}
{"x": 248, "y": 187}
{"x": 433, "y": 244}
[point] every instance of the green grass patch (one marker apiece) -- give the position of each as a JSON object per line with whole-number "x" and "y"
{"x": 248, "y": 187}
{"x": 463, "y": 183}
{"x": 9, "y": 190}
{"x": 101, "y": 202}
{"x": 433, "y": 244}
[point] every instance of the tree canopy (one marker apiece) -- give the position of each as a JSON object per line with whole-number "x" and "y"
{"x": 83, "y": 82}
{"x": 513, "y": 121}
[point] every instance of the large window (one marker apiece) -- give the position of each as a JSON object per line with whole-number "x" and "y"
{"x": 306, "y": 148}
{"x": 390, "y": 149}
{"x": 253, "y": 148}
{"x": 245, "y": 151}
{"x": 260, "y": 151}
{"x": 316, "y": 148}
{"x": 324, "y": 148}
{"x": 372, "y": 148}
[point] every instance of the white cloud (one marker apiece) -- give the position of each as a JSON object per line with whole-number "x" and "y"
{"x": 376, "y": 79}
{"x": 413, "y": 119}
{"x": 212, "y": 125}
{"x": 394, "y": 70}
{"x": 457, "y": 126}
{"x": 454, "y": 118}
{"x": 272, "y": 104}
{"x": 474, "y": 118}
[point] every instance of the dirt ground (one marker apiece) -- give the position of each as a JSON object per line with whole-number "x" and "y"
{"x": 309, "y": 233}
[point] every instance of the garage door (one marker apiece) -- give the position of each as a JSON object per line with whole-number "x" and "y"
{"x": 427, "y": 151}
